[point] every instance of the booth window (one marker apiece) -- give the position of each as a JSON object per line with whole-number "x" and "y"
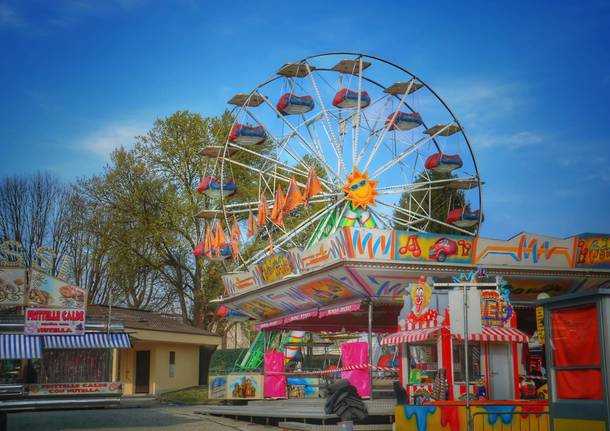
{"x": 576, "y": 353}
{"x": 74, "y": 366}
{"x": 423, "y": 363}
{"x": 19, "y": 371}
{"x": 474, "y": 362}
{"x": 172, "y": 364}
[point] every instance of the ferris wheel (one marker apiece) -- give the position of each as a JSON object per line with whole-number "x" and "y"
{"x": 339, "y": 139}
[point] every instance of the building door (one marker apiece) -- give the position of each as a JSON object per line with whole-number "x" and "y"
{"x": 500, "y": 372}
{"x": 142, "y": 371}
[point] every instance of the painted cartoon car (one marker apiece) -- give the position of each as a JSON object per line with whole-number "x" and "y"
{"x": 442, "y": 249}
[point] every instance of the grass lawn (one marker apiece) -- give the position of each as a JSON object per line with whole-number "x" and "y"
{"x": 194, "y": 395}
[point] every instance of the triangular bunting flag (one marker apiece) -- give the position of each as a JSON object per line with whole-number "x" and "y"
{"x": 294, "y": 198}
{"x": 277, "y": 214}
{"x": 263, "y": 211}
{"x": 312, "y": 187}
{"x": 207, "y": 243}
{"x": 251, "y": 226}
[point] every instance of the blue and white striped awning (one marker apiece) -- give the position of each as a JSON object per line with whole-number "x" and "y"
{"x": 91, "y": 340}
{"x": 19, "y": 346}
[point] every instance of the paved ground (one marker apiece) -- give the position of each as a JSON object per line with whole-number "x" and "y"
{"x": 161, "y": 418}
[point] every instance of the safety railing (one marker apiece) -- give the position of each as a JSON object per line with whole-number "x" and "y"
{"x": 510, "y": 421}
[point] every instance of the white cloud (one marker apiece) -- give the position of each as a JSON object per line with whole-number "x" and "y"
{"x": 511, "y": 141}
{"x": 478, "y": 103}
{"x": 105, "y": 140}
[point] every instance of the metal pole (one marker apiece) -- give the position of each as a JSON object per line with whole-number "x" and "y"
{"x": 371, "y": 346}
{"x": 466, "y": 361}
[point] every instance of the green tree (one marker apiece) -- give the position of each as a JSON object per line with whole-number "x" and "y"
{"x": 442, "y": 200}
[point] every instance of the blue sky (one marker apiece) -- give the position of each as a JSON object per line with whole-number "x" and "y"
{"x": 529, "y": 82}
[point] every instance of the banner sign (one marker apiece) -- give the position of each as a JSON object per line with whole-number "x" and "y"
{"x": 275, "y": 267}
{"x": 47, "y": 291}
{"x": 40, "y": 321}
{"x": 75, "y": 388}
{"x": 593, "y": 251}
{"x": 12, "y": 287}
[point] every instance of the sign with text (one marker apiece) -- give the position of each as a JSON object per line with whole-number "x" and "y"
{"x": 43, "y": 321}
{"x": 75, "y": 388}
{"x": 275, "y": 267}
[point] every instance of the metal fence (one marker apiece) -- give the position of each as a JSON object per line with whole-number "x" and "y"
{"x": 497, "y": 421}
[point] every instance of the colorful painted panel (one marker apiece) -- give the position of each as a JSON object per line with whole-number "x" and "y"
{"x": 526, "y": 250}
{"x": 12, "y": 287}
{"x": 530, "y": 288}
{"x": 258, "y": 308}
{"x": 488, "y": 417}
{"x": 245, "y": 386}
{"x": 322, "y": 253}
{"x": 326, "y": 290}
{"x": 371, "y": 244}
{"x": 593, "y": 251}
{"x": 47, "y": 291}
{"x": 275, "y": 267}
{"x": 303, "y": 387}
{"x": 421, "y": 247}
{"x": 239, "y": 282}
{"x": 217, "y": 388}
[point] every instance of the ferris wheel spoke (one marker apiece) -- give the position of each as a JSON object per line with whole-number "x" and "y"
{"x": 272, "y": 174}
{"x": 300, "y": 228}
{"x": 280, "y": 165}
{"x": 303, "y": 141}
{"x": 387, "y": 127}
{"x": 423, "y": 185}
{"x": 332, "y": 138}
{"x": 408, "y": 151}
{"x": 356, "y": 126}
{"x": 372, "y": 134}
{"x": 254, "y": 204}
{"x": 316, "y": 140}
{"x": 433, "y": 220}
{"x": 283, "y": 145}
{"x": 398, "y": 220}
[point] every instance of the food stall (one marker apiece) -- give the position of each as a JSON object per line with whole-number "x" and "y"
{"x": 48, "y": 348}
{"x": 434, "y": 364}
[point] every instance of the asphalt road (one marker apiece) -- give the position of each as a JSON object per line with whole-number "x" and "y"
{"x": 162, "y": 418}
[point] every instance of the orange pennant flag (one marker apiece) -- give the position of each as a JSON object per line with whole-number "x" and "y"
{"x": 207, "y": 243}
{"x": 220, "y": 238}
{"x": 235, "y": 237}
{"x": 294, "y": 198}
{"x": 270, "y": 245}
{"x": 251, "y": 226}
{"x": 263, "y": 211}
{"x": 313, "y": 185}
{"x": 277, "y": 214}
{"x": 235, "y": 231}
{"x": 215, "y": 244}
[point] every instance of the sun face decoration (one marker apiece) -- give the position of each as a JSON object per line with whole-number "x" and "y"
{"x": 360, "y": 190}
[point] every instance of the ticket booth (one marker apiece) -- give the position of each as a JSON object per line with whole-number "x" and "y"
{"x": 577, "y": 331}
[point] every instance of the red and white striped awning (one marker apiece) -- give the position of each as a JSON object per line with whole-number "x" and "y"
{"x": 498, "y": 334}
{"x": 410, "y": 336}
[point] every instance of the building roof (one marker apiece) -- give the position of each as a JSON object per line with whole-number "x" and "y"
{"x": 143, "y": 319}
